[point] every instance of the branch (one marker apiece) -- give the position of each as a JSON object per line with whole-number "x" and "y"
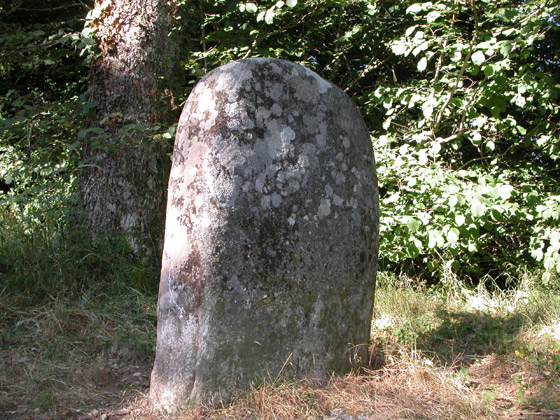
{"x": 50, "y": 9}
{"x": 365, "y": 71}
{"x": 482, "y": 158}
{"x": 440, "y": 58}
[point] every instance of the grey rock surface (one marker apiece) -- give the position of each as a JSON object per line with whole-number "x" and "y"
{"x": 271, "y": 235}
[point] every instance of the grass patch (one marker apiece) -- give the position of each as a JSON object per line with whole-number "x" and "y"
{"x": 471, "y": 354}
{"x": 74, "y": 355}
{"x": 53, "y": 257}
{"x": 501, "y": 345}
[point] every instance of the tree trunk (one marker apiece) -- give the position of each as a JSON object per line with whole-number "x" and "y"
{"x": 122, "y": 184}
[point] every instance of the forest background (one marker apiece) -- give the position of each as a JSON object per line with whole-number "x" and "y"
{"x": 461, "y": 97}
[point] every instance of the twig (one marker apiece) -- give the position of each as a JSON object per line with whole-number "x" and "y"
{"x": 49, "y": 9}
{"x": 543, "y": 413}
{"x": 365, "y": 71}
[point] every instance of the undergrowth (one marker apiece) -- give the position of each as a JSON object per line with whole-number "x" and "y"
{"x": 48, "y": 255}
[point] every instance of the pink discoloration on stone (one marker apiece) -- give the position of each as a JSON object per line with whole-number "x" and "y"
{"x": 271, "y": 242}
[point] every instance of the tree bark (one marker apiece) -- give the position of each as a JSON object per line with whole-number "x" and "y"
{"x": 122, "y": 184}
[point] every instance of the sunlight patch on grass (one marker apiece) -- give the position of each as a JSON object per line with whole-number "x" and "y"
{"x": 383, "y": 322}
{"x": 552, "y": 330}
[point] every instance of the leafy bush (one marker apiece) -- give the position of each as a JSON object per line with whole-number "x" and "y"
{"x": 462, "y": 100}
{"x": 469, "y": 148}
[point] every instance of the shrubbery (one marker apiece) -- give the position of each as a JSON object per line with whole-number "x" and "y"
{"x": 462, "y": 99}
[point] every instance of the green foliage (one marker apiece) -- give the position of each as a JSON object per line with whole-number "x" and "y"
{"x": 468, "y": 151}
{"x": 341, "y": 40}
{"x": 44, "y": 250}
{"x": 42, "y": 80}
{"x": 462, "y": 99}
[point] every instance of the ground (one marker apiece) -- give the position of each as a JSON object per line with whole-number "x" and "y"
{"x": 431, "y": 358}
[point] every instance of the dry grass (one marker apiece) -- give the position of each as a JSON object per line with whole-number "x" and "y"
{"x": 403, "y": 389}
{"x": 474, "y": 356}
{"x": 388, "y": 394}
{"x": 70, "y": 357}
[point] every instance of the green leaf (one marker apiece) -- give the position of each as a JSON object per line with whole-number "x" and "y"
{"x": 434, "y": 239}
{"x": 459, "y": 219}
{"x": 269, "y": 16}
{"x": 550, "y": 213}
{"x": 506, "y": 48}
{"x": 75, "y": 145}
{"x": 476, "y": 138}
{"x": 478, "y": 208}
{"x": 474, "y": 70}
{"x": 414, "y": 9}
{"x": 136, "y": 127}
{"x": 88, "y": 106}
{"x": 433, "y": 16}
{"x": 455, "y": 265}
{"x": 399, "y": 48}
{"x": 453, "y": 236}
{"x": 472, "y": 247}
{"x": 422, "y": 47}
{"x": 427, "y": 111}
{"x": 414, "y": 247}
{"x": 413, "y": 224}
{"x": 496, "y": 214}
{"x": 88, "y": 41}
{"x": 410, "y": 30}
{"x": 478, "y": 57}
{"x": 86, "y": 131}
{"x": 533, "y": 198}
{"x": 251, "y": 7}
{"x": 452, "y": 201}
{"x": 507, "y": 14}
{"x": 505, "y": 191}
{"x": 387, "y": 123}
{"x": 496, "y": 111}
{"x": 422, "y": 64}
{"x": 291, "y": 3}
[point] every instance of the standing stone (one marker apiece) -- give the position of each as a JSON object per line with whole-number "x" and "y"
{"x": 271, "y": 235}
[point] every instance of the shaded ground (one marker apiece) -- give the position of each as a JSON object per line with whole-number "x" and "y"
{"x": 74, "y": 359}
